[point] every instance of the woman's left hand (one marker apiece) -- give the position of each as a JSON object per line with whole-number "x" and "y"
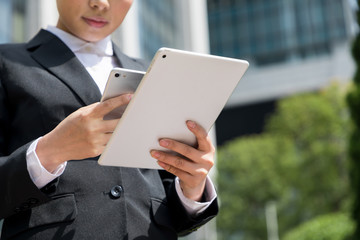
{"x": 193, "y": 164}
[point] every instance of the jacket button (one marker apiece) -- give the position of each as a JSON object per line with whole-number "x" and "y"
{"x": 116, "y": 191}
{"x": 33, "y": 201}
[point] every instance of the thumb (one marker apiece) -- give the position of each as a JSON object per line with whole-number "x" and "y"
{"x": 108, "y": 105}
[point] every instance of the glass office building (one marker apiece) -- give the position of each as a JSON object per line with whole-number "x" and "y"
{"x": 166, "y": 23}
{"x": 276, "y": 31}
{"x": 21, "y": 20}
{"x": 12, "y": 21}
{"x": 293, "y": 46}
{"x": 159, "y": 26}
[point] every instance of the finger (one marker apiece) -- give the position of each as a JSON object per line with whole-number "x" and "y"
{"x": 107, "y": 106}
{"x": 202, "y": 137}
{"x": 185, "y": 178}
{"x": 202, "y": 158}
{"x": 109, "y": 125}
{"x": 173, "y": 161}
{"x": 175, "y": 171}
{"x": 181, "y": 148}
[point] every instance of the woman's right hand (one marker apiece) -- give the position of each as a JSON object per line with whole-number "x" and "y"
{"x": 83, "y": 134}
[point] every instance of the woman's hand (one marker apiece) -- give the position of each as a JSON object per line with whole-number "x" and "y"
{"x": 81, "y": 135}
{"x": 194, "y": 164}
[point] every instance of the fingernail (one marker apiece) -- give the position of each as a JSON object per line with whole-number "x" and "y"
{"x": 164, "y": 143}
{"x": 129, "y": 96}
{"x": 155, "y": 154}
{"x": 191, "y": 124}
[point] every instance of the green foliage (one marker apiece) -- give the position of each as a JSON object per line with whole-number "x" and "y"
{"x": 319, "y": 126}
{"x": 336, "y": 226}
{"x": 353, "y": 100}
{"x": 300, "y": 162}
{"x": 251, "y": 173}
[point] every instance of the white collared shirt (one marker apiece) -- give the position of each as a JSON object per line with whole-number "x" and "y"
{"x": 98, "y": 60}
{"x": 97, "y": 57}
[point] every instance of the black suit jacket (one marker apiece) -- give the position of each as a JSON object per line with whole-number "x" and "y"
{"x": 41, "y": 83}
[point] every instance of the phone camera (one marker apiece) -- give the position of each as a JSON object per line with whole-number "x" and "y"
{"x": 163, "y": 56}
{"x": 117, "y": 74}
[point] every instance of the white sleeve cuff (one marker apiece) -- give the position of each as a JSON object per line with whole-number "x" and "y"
{"x": 194, "y": 207}
{"x": 38, "y": 174}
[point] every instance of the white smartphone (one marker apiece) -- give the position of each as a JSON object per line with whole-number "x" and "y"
{"x": 120, "y": 81}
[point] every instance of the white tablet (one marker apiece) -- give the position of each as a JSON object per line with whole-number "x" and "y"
{"x": 178, "y": 86}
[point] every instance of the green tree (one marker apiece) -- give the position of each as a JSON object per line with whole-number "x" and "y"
{"x": 354, "y": 146}
{"x": 318, "y": 124}
{"x": 300, "y": 162}
{"x": 335, "y": 226}
{"x": 251, "y": 173}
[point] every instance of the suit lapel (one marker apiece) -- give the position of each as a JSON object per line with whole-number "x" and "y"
{"x": 57, "y": 58}
{"x": 129, "y": 63}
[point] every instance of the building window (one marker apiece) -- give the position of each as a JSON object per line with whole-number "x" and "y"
{"x": 12, "y": 20}
{"x": 267, "y": 32}
{"x": 159, "y": 26}
{"x": 5, "y": 24}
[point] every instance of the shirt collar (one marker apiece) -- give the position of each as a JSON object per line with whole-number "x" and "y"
{"x": 102, "y": 48}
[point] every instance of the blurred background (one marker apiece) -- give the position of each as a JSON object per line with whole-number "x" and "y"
{"x": 282, "y": 167}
